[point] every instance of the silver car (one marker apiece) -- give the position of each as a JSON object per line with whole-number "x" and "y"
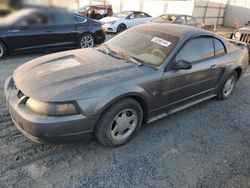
{"x": 143, "y": 74}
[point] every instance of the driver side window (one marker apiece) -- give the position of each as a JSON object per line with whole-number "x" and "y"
{"x": 35, "y": 20}
{"x": 197, "y": 49}
{"x": 132, "y": 16}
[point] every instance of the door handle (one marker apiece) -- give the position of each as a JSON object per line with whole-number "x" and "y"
{"x": 213, "y": 66}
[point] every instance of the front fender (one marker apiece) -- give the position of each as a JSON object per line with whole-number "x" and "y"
{"x": 96, "y": 106}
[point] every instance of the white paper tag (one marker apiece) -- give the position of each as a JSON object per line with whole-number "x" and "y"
{"x": 161, "y": 41}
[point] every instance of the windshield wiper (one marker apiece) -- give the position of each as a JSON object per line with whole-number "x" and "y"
{"x": 119, "y": 54}
{"x": 129, "y": 58}
{"x": 104, "y": 48}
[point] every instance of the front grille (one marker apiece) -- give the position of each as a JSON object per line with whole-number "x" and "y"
{"x": 17, "y": 91}
{"x": 245, "y": 37}
{"x": 20, "y": 94}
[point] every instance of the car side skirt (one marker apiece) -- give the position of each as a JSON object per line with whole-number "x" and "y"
{"x": 172, "y": 111}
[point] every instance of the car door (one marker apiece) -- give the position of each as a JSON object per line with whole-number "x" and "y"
{"x": 183, "y": 86}
{"x": 30, "y": 33}
{"x": 64, "y": 30}
{"x": 145, "y": 18}
{"x": 133, "y": 19}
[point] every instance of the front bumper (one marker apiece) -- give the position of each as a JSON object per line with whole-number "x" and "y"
{"x": 99, "y": 36}
{"x": 47, "y": 129}
{"x": 109, "y": 28}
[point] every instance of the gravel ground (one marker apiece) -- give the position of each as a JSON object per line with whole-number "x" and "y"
{"x": 207, "y": 145}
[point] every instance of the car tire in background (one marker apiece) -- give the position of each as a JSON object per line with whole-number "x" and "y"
{"x": 228, "y": 87}
{"x": 86, "y": 41}
{"x": 121, "y": 28}
{"x": 3, "y": 50}
{"x": 119, "y": 123}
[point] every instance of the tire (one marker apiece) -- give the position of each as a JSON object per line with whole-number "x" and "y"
{"x": 86, "y": 41}
{"x": 112, "y": 129}
{"x": 3, "y": 51}
{"x": 227, "y": 88}
{"x": 121, "y": 28}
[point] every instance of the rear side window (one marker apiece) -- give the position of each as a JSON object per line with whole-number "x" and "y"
{"x": 191, "y": 20}
{"x": 219, "y": 47}
{"x": 197, "y": 49}
{"x": 181, "y": 20}
{"x": 63, "y": 18}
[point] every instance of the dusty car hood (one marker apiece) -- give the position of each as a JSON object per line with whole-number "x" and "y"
{"x": 49, "y": 76}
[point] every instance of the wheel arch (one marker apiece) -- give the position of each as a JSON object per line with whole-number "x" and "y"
{"x": 238, "y": 70}
{"x": 87, "y": 32}
{"x": 5, "y": 45}
{"x": 135, "y": 97}
{"x": 122, "y": 23}
{"x": 138, "y": 94}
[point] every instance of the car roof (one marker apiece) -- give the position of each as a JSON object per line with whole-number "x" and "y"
{"x": 134, "y": 11}
{"x": 100, "y": 6}
{"x": 177, "y": 15}
{"x": 181, "y": 31}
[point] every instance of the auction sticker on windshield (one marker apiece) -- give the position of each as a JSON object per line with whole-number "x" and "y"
{"x": 161, "y": 41}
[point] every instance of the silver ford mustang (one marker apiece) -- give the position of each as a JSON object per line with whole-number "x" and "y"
{"x": 141, "y": 75}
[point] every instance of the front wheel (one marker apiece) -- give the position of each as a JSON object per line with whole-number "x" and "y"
{"x": 2, "y": 50}
{"x": 119, "y": 123}
{"x": 227, "y": 89}
{"x": 121, "y": 28}
{"x": 86, "y": 41}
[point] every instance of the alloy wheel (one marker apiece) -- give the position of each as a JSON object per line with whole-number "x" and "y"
{"x": 229, "y": 86}
{"x": 124, "y": 124}
{"x": 121, "y": 28}
{"x": 1, "y": 51}
{"x": 87, "y": 41}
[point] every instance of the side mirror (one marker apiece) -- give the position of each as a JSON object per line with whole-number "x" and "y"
{"x": 182, "y": 64}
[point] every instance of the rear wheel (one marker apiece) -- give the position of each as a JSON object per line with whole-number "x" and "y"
{"x": 121, "y": 28}
{"x": 86, "y": 41}
{"x": 2, "y": 50}
{"x": 119, "y": 123}
{"x": 228, "y": 87}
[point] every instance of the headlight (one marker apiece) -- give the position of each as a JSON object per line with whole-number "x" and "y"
{"x": 50, "y": 109}
{"x": 237, "y": 35}
{"x": 111, "y": 23}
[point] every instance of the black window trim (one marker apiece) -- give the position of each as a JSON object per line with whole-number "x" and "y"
{"x": 168, "y": 63}
{"x": 225, "y": 49}
{"x": 200, "y": 60}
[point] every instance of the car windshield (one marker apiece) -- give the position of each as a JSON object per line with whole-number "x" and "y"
{"x": 122, "y": 14}
{"x": 165, "y": 18}
{"x": 144, "y": 45}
